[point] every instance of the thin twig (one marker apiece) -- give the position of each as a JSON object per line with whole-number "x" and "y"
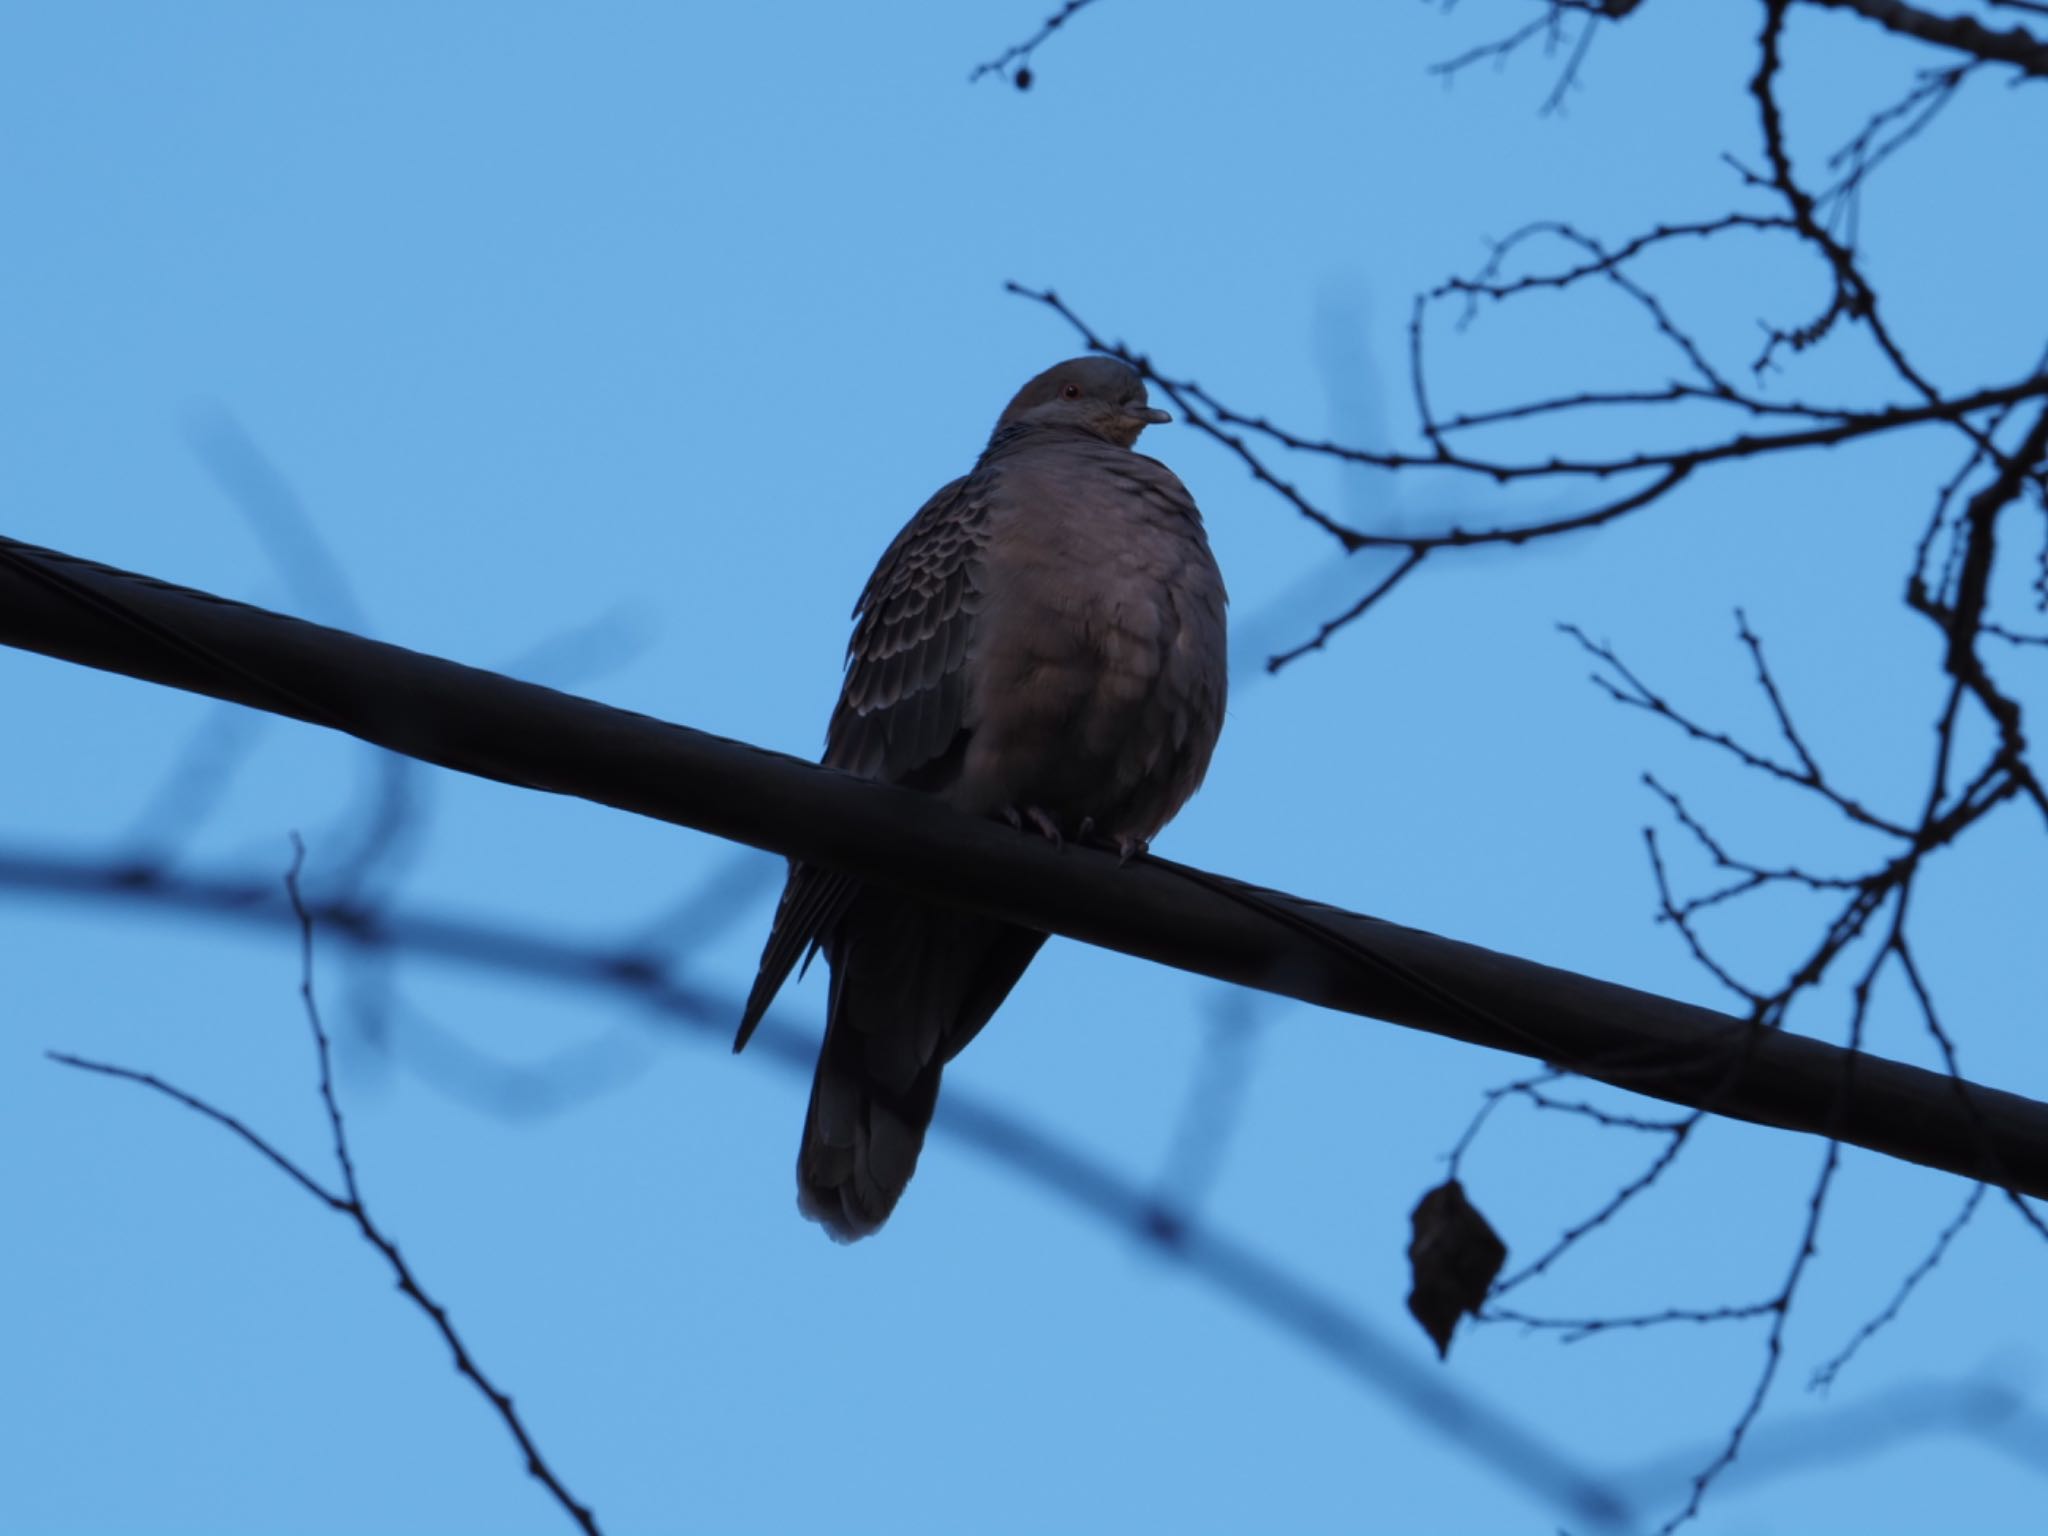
{"x": 350, "y": 1203}
{"x": 1020, "y": 54}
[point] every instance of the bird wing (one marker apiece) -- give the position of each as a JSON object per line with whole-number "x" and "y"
{"x": 903, "y": 706}
{"x": 902, "y": 712}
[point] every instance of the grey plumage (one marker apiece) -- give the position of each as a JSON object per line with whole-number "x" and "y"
{"x": 1043, "y": 641}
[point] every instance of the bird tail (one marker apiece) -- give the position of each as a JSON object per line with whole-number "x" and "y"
{"x": 912, "y": 983}
{"x": 862, "y": 1137}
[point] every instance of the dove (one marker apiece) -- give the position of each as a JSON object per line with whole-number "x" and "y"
{"x": 1044, "y": 642}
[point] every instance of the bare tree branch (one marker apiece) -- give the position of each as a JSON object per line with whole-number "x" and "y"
{"x": 349, "y": 1201}
{"x": 1159, "y": 1219}
{"x": 1019, "y": 54}
{"x": 2015, "y": 46}
{"x": 1712, "y": 416}
{"x": 1825, "y": 1376}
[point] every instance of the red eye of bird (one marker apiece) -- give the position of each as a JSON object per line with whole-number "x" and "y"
{"x": 1071, "y": 392}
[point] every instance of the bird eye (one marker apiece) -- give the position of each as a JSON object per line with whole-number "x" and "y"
{"x": 1070, "y": 392}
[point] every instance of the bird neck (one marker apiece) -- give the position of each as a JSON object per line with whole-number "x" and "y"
{"x": 1007, "y": 439}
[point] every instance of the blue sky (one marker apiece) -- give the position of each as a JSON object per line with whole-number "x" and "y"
{"x": 612, "y": 345}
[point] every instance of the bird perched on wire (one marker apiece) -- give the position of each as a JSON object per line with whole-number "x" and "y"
{"x": 1044, "y": 641}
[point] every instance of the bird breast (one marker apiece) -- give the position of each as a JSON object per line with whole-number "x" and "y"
{"x": 1098, "y": 659}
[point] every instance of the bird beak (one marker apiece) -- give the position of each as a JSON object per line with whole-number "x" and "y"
{"x": 1150, "y": 415}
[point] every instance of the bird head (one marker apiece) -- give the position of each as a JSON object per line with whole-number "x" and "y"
{"x": 1102, "y": 396}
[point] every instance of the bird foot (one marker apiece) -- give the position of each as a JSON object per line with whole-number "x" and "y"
{"x": 1127, "y": 848}
{"x": 1038, "y": 821}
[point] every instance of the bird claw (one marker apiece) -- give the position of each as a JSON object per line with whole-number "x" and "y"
{"x": 1034, "y": 819}
{"x": 1039, "y": 822}
{"x": 1127, "y": 848}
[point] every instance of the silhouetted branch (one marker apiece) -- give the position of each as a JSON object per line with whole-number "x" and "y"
{"x": 1843, "y": 424}
{"x": 1711, "y": 413}
{"x": 1624, "y": 687}
{"x": 1987, "y": 1410}
{"x": 1577, "y": 1329}
{"x": 1530, "y": 1090}
{"x": 1824, "y": 1377}
{"x": 1551, "y": 27}
{"x": 1886, "y": 132}
{"x": 1661, "y": 472}
{"x": 1609, "y": 1209}
{"x": 1019, "y": 54}
{"x": 348, "y": 1201}
{"x": 1945, "y": 813}
{"x": 2015, "y": 46}
{"x": 1947, "y": 810}
{"x": 1404, "y": 568}
{"x": 641, "y": 976}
